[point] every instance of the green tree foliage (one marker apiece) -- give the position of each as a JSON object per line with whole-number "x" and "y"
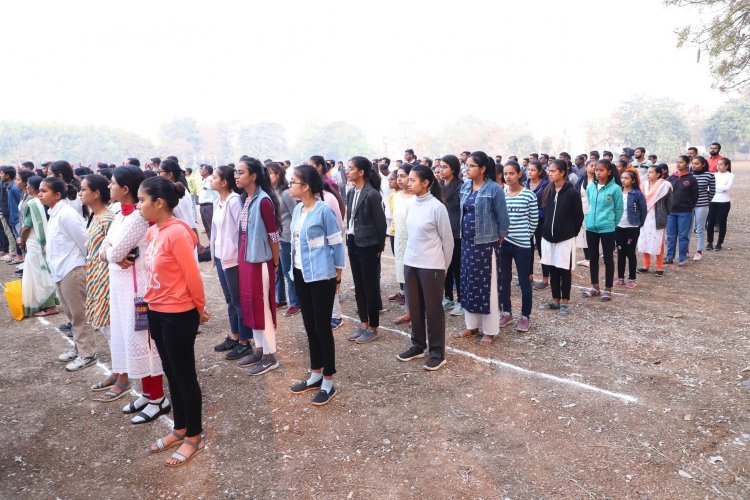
{"x": 729, "y": 126}
{"x": 725, "y": 37}
{"x": 523, "y": 144}
{"x": 263, "y": 140}
{"x": 335, "y": 141}
{"x": 659, "y": 125}
{"x": 86, "y": 145}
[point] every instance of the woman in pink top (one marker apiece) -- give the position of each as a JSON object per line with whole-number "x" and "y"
{"x": 176, "y": 302}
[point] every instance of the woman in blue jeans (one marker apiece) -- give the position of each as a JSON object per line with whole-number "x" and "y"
{"x": 284, "y": 272}
{"x": 224, "y": 246}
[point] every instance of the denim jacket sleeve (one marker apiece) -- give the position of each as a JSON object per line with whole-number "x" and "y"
{"x": 642, "y": 208}
{"x": 617, "y": 197}
{"x": 501, "y": 212}
{"x": 334, "y": 238}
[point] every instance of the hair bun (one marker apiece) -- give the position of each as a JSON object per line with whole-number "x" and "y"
{"x": 179, "y": 189}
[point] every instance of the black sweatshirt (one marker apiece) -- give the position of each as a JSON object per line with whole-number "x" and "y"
{"x": 563, "y": 215}
{"x": 684, "y": 192}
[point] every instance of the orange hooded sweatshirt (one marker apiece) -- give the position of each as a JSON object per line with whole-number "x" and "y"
{"x": 174, "y": 278}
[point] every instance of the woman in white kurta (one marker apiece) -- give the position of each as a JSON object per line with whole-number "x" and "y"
{"x": 651, "y": 239}
{"x": 134, "y": 353}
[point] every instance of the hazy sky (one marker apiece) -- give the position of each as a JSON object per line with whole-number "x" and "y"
{"x": 134, "y": 64}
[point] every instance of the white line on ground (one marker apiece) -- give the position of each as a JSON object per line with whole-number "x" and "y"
{"x": 105, "y": 369}
{"x": 496, "y": 362}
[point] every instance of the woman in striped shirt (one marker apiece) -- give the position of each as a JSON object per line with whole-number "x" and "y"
{"x": 523, "y": 212}
{"x": 706, "y": 192}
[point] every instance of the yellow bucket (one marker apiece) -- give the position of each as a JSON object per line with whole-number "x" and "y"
{"x": 15, "y": 301}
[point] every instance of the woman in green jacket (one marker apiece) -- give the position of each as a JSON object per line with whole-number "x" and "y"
{"x": 605, "y": 210}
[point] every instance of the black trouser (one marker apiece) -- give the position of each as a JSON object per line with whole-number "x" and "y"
{"x": 608, "y": 249}
{"x": 4, "y": 244}
{"x": 174, "y": 336}
{"x": 316, "y": 302}
{"x": 207, "y": 214}
{"x": 453, "y": 276}
{"x": 718, "y": 213}
{"x": 560, "y": 281}
{"x": 365, "y": 264}
{"x": 426, "y": 309}
{"x": 536, "y": 241}
{"x": 627, "y": 240}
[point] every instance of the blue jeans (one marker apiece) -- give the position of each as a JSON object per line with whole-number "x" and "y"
{"x": 282, "y": 276}
{"x": 678, "y": 228}
{"x": 700, "y": 214}
{"x": 508, "y": 253}
{"x": 229, "y": 279}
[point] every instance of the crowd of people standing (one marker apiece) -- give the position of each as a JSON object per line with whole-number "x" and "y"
{"x": 118, "y": 251}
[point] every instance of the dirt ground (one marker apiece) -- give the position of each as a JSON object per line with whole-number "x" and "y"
{"x": 645, "y": 397}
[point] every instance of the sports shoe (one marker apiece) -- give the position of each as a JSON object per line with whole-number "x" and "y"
{"x": 65, "y": 327}
{"x": 251, "y": 359}
{"x": 239, "y": 351}
{"x": 396, "y": 297}
{"x": 80, "y": 363}
{"x": 68, "y": 356}
{"x": 367, "y": 336}
{"x": 6, "y": 258}
{"x": 434, "y": 363}
{"x": 413, "y": 352}
{"x": 619, "y": 282}
{"x": 322, "y": 397}
{"x": 227, "y": 345}
{"x": 630, "y": 284}
{"x": 356, "y": 333}
{"x": 540, "y": 285}
{"x": 583, "y": 263}
{"x": 669, "y": 261}
{"x": 659, "y": 274}
{"x": 266, "y": 364}
{"x": 383, "y": 310}
{"x": 302, "y": 387}
{"x": 523, "y": 324}
{"x": 506, "y": 319}
{"x": 698, "y": 256}
{"x": 336, "y": 323}
{"x": 682, "y": 263}
{"x": 448, "y": 304}
{"x": 281, "y": 305}
{"x": 710, "y": 246}
{"x": 549, "y": 306}
{"x": 642, "y": 270}
{"x": 564, "y": 310}
{"x": 292, "y": 311}
{"x": 717, "y": 248}
{"x": 458, "y": 310}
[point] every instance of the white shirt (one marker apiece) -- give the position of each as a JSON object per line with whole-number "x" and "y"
{"x": 624, "y": 219}
{"x": 355, "y": 199}
{"x": 66, "y": 241}
{"x": 185, "y": 211}
{"x": 296, "y": 239}
{"x": 219, "y": 214}
{"x": 207, "y": 194}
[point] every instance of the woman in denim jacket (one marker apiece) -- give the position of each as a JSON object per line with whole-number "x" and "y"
{"x": 484, "y": 224}
{"x": 629, "y": 227}
{"x": 317, "y": 263}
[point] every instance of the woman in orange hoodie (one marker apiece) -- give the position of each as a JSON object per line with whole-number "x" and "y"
{"x": 176, "y": 306}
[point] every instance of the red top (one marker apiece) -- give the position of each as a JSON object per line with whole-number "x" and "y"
{"x": 174, "y": 278}
{"x": 713, "y": 162}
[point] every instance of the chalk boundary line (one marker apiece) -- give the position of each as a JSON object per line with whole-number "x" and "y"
{"x": 104, "y": 369}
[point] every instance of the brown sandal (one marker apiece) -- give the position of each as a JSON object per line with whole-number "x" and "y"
{"x": 403, "y": 320}
{"x": 466, "y": 333}
{"x": 486, "y": 340}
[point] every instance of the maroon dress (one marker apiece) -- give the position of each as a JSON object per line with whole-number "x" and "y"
{"x": 251, "y": 274}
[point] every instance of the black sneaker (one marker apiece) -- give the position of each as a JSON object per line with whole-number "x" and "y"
{"x": 65, "y": 327}
{"x": 228, "y": 344}
{"x": 302, "y": 387}
{"x": 239, "y": 351}
{"x": 413, "y": 352}
{"x": 659, "y": 274}
{"x": 434, "y": 363}
{"x": 322, "y": 397}
{"x": 642, "y": 270}
{"x": 718, "y": 248}
{"x": 710, "y": 246}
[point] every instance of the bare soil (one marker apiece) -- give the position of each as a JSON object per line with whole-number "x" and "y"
{"x": 476, "y": 429}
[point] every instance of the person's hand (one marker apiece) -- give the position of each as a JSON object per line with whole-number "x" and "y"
{"x": 125, "y": 263}
{"x": 200, "y": 248}
{"x": 205, "y": 317}
{"x": 103, "y": 255}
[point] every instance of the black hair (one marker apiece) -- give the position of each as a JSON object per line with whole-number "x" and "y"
{"x": 130, "y": 177}
{"x": 263, "y": 182}
{"x": 728, "y": 162}
{"x": 612, "y": 171}
{"x": 549, "y": 191}
{"x": 63, "y": 169}
{"x": 98, "y": 183}
{"x": 189, "y": 171}
{"x": 25, "y": 175}
{"x": 386, "y": 160}
{"x": 319, "y": 160}
{"x": 208, "y": 168}
{"x": 481, "y": 158}
{"x": 310, "y": 176}
{"x": 636, "y": 184}
{"x": 704, "y": 163}
{"x": 9, "y": 171}
{"x": 173, "y": 168}
{"x": 60, "y": 186}
{"x": 624, "y": 163}
{"x": 282, "y": 184}
{"x": 371, "y": 175}
{"x": 428, "y": 160}
{"x": 156, "y": 160}
{"x": 716, "y": 144}
{"x": 35, "y": 181}
{"x": 134, "y": 161}
{"x": 106, "y": 172}
{"x": 173, "y": 158}
{"x": 81, "y": 171}
{"x": 659, "y": 169}
{"x": 685, "y": 158}
{"x": 594, "y": 153}
{"x": 544, "y": 155}
{"x": 516, "y": 167}
{"x": 425, "y": 173}
{"x": 454, "y": 164}
{"x": 28, "y": 164}
{"x": 159, "y": 187}
{"x": 227, "y": 174}
{"x": 642, "y": 149}
{"x": 693, "y": 148}
{"x": 410, "y": 151}
{"x": 538, "y": 166}
{"x": 149, "y": 173}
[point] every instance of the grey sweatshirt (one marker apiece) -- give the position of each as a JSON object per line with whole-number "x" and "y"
{"x": 430, "y": 244}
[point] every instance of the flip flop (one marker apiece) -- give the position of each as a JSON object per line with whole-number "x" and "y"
{"x": 182, "y": 459}
{"x": 401, "y": 320}
{"x": 466, "y": 333}
{"x": 161, "y": 446}
{"x": 46, "y": 312}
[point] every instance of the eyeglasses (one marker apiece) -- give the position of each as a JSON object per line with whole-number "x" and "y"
{"x": 292, "y": 183}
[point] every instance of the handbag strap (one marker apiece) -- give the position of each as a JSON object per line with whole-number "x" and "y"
{"x": 135, "y": 280}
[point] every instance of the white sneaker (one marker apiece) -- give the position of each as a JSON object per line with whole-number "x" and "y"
{"x": 698, "y": 256}
{"x": 457, "y": 310}
{"x": 448, "y": 304}
{"x": 68, "y": 356}
{"x": 80, "y": 363}
{"x": 6, "y": 258}
{"x": 584, "y": 263}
